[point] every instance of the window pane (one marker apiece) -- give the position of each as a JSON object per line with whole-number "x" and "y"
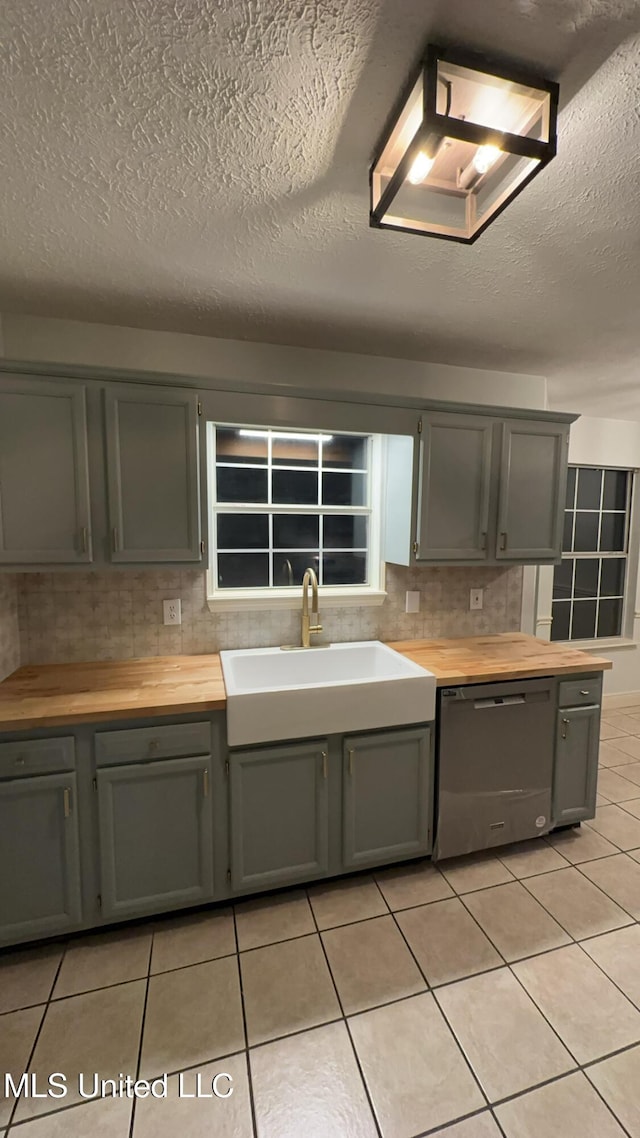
{"x": 584, "y": 620}
{"x": 586, "y": 535}
{"x": 296, "y": 531}
{"x": 612, "y": 581}
{"x": 615, "y": 490}
{"x": 295, "y": 452}
{"x": 243, "y": 531}
{"x": 567, "y": 535}
{"x": 560, "y": 612}
{"x": 241, "y": 485}
{"x": 288, "y": 568}
{"x": 586, "y": 578}
{"x": 344, "y": 568}
{"x": 589, "y": 485}
{"x": 571, "y": 487}
{"x": 610, "y": 618}
{"x": 235, "y": 446}
{"x": 295, "y": 487}
{"x": 347, "y": 452}
{"x": 563, "y": 579}
{"x": 344, "y": 489}
{"x": 345, "y": 531}
{"x": 243, "y": 570}
{"x": 612, "y": 532}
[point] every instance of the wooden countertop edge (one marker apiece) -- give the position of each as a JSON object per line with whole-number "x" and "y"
{"x": 22, "y": 713}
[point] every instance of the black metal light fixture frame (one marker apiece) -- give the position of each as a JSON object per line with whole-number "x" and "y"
{"x": 435, "y": 127}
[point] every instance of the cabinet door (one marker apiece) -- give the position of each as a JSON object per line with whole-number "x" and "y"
{"x": 388, "y": 796}
{"x": 152, "y": 473}
{"x": 44, "y": 474}
{"x": 279, "y": 815}
{"x": 39, "y": 856}
{"x": 156, "y": 835}
{"x": 576, "y": 764}
{"x": 533, "y": 478}
{"x": 455, "y": 474}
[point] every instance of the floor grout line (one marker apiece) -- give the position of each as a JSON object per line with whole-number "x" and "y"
{"x": 142, "y": 1028}
{"x": 254, "y": 1121}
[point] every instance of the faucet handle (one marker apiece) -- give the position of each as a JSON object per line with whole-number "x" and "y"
{"x": 315, "y": 628}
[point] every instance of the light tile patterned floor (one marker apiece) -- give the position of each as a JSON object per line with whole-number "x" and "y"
{"x": 496, "y": 996}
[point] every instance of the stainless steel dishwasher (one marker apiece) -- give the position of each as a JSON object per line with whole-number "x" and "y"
{"x": 495, "y": 764}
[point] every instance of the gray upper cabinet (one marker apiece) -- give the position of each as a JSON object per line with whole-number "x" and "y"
{"x": 152, "y": 473}
{"x": 44, "y": 478}
{"x": 533, "y": 478}
{"x": 39, "y": 856}
{"x": 485, "y": 490}
{"x": 279, "y": 814}
{"x": 455, "y": 484}
{"x": 388, "y": 796}
{"x": 156, "y": 835}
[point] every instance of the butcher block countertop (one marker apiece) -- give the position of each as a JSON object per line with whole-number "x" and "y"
{"x": 56, "y": 695}
{"x": 507, "y": 656}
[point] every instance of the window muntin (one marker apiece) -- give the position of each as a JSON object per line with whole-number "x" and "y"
{"x": 589, "y": 584}
{"x": 284, "y": 500}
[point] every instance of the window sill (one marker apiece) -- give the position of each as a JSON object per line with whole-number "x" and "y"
{"x": 243, "y": 601}
{"x": 590, "y": 645}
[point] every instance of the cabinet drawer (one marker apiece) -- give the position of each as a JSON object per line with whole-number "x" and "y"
{"x": 37, "y": 756}
{"x": 170, "y": 741}
{"x": 576, "y": 693}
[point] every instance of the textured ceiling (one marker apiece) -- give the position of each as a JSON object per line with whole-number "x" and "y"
{"x": 202, "y": 166}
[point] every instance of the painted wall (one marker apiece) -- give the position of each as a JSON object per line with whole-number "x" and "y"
{"x": 45, "y": 340}
{"x": 9, "y": 633}
{"x": 605, "y": 442}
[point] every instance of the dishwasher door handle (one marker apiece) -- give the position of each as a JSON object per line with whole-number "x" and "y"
{"x": 498, "y": 701}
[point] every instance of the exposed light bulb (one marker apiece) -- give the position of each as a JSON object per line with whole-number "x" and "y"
{"x": 420, "y": 168}
{"x": 484, "y": 158}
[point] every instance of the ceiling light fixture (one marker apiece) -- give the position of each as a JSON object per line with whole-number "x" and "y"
{"x": 467, "y": 137}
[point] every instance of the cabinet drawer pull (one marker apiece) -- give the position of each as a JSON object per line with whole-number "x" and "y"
{"x": 67, "y": 801}
{"x": 585, "y": 692}
{"x": 351, "y": 754}
{"x": 324, "y": 763}
{"x": 20, "y": 761}
{"x": 205, "y": 782}
{"x": 154, "y": 746}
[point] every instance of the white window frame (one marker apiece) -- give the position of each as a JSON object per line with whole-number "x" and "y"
{"x": 288, "y": 597}
{"x": 539, "y": 593}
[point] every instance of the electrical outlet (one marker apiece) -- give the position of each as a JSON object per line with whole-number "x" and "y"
{"x": 172, "y": 611}
{"x": 475, "y": 599}
{"x": 412, "y": 601}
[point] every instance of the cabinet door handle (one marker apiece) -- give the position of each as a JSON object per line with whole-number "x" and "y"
{"x": 67, "y": 801}
{"x": 503, "y": 540}
{"x": 565, "y": 724}
{"x": 84, "y": 539}
{"x": 483, "y": 541}
{"x": 205, "y": 782}
{"x": 351, "y": 754}
{"x": 324, "y": 763}
{"x": 114, "y": 539}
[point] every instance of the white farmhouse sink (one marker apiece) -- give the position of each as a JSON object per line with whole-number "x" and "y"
{"x": 276, "y": 694}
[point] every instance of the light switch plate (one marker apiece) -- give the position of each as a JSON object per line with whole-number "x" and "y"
{"x": 412, "y": 601}
{"x": 475, "y": 599}
{"x": 172, "y": 611}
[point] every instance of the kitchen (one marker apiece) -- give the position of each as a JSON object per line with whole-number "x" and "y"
{"x": 398, "y": 859}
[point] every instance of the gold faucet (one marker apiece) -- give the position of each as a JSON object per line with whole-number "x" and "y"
{"x": 307, "y": 628}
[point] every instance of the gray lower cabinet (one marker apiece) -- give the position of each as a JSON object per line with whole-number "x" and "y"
{"x": 576, "y": 764}
{"x": 152, "y": 473}
{"x": 387, "y": 796}
{"x": 279, "y": 814}
{"x": 156, "y": 835}
{"x": 39, "y": 857}
{"x": 44, "y": 473}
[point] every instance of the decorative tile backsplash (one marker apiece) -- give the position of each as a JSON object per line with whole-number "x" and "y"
{"x": 113, "y": 615}
{"x": 9, "y": 633}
